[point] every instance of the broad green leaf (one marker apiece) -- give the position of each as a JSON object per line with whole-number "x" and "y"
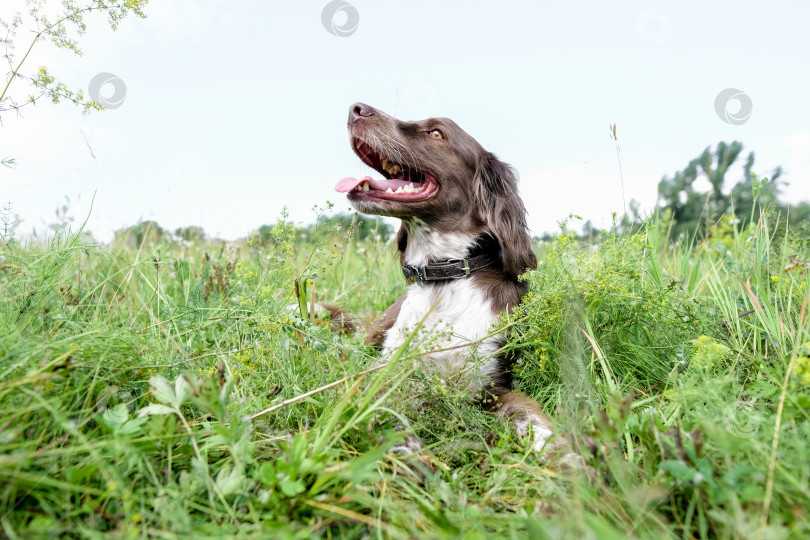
{"x": 162, "y": 390}
{"x": 155, "y": 408}
{"x": 291, "y": 488}
{"x": 115, "y": 417}
{"x": 181, "y": 391}
{"x": 230, "y": 481}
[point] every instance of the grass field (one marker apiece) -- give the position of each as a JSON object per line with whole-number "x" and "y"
{"x": 135, "y": 384}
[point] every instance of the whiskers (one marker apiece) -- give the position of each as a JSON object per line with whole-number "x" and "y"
{"x": 391, "y": 149}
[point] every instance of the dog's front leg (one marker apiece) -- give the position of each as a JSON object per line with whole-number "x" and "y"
{"x": 526, "y": 418}
{"x": 383, "y": 323}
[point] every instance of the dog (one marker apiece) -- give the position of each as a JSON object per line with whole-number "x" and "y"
{"x": 463, "y": 243}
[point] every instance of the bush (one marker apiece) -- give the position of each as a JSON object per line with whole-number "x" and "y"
{"x": 615, "y": 294}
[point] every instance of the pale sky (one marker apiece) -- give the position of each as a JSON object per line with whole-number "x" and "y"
{"x": 237, "y": 108}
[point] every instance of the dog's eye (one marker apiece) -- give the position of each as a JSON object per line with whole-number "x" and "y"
{"x": 436, "y": 134}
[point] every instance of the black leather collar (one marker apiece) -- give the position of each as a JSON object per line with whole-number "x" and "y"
{"x": 489, "y": 253}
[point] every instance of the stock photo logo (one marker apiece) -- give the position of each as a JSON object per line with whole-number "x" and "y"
{"x": 99, "y": 82}
{"x": 102, "y": 401}
{"x": 721, "y": 106}
{"x": 653, "y": 26}
{"x": 512, "y": 492}
{"x": 332, "y": 14}
{"x": 741, "y": 419}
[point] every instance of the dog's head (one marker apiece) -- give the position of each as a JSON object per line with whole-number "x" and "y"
{"x": 435, "y": 172}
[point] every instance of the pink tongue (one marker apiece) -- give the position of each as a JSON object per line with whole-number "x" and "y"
{"x": 348, "y": 184}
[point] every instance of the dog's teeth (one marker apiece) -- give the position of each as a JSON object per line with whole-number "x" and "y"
{"x": 391, "y": 168}
{"x": 365, "y": 186}
{"x": 359, "y": 144}
{"x": 409, "y": 188}
{"x": 389, "y": 190}
{"x": 399, "y": 190}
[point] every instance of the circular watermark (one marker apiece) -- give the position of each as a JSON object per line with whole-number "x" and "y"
{"x": 741, "y": 419}
{"x": 107, "y": 101}
{"x": 743, "y": 100}
{"x": 340, "y": 18}
{"x": 653, "y": 26}
{"x": 102, "y": 401}
{"x": 513, "y": 492}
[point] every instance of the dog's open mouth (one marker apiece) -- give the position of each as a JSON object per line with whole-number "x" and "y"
{"x": 400, "y": 182}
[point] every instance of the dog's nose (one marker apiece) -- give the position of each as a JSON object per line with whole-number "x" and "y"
{"x": 359, "y": 110}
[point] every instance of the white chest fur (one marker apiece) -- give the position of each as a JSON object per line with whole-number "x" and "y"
{"x": 425, "y": 245}
{"x": 456, "y": 314}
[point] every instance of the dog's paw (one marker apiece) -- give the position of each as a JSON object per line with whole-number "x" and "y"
{"x": 412, "y": 461}
{"x": 339, "y": 319}
{"x": 571, "y": 461}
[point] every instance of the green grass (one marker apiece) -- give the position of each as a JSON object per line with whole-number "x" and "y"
{"x": 131, "y": 379}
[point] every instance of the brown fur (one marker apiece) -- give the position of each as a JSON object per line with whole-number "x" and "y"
{"x": 496, "y": 197}
{"x": 341, "y": 320}
{"x": 384, "y": 322}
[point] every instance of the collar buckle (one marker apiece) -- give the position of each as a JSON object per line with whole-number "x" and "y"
{"x": 465, "y": 266}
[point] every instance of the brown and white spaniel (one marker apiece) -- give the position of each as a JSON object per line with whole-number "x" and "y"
{"x": 463, "y": 243}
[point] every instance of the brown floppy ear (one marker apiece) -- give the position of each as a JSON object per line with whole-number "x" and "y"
{"x": 402, "y": 243}
{"x": 500, "y": 205}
